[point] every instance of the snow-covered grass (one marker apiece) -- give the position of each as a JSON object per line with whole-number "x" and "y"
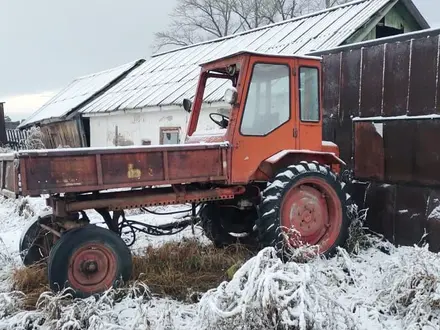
{"x": 376, "y": 287}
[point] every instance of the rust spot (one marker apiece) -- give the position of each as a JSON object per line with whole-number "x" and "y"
{"x": 369, "y": 161}
{"x": 134, "y": 173}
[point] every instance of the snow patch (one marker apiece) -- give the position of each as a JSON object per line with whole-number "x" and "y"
{"x": 268, "y": 213}
{"x": 287, "y": 174}
{"x": 379, "y": 287}
{"x": 435, "y": 214}
{"x": 278, "y": 184}
{"x": 379, "y": 128}
{"x": 266, "y": 293}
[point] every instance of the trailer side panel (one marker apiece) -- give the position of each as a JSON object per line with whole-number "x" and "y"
{"x": 85, "y": 170}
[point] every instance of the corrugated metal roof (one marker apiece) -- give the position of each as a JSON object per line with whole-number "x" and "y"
{"x": 169, "y": 77}
{"x": 77, "y": 93}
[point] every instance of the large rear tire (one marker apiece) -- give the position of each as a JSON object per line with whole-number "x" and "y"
{"x": 89, "y": 260}
{"x": 304, "y": 204}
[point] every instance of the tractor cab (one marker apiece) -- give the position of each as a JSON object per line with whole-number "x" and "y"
{"x": 268, "y": 107}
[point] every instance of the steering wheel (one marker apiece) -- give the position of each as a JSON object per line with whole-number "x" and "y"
{"x": 224, "y": 121}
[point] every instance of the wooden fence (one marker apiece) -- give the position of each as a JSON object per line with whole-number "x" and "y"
{"x": 16, "y": 138}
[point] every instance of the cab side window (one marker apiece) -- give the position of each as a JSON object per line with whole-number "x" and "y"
{"x": 267, "y": 104}
{"x": 309, "y": 94}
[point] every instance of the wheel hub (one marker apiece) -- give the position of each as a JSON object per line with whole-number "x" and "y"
{"x": 307, "y": 213}
{"x": 89, "y": 267}
{"x": 312, "y": 209}
{"x": 92, "y": 268}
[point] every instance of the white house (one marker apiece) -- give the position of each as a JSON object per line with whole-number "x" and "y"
{"x": 145, "y": 105}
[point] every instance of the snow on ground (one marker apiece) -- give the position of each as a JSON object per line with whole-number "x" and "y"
{"x": 382, "y": 287}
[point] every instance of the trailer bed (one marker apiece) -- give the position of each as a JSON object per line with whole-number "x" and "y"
{"x": 76, "y": 170}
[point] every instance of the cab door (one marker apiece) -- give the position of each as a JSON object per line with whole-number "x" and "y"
{"x": 308, "y": 102}
{"x": 267, "y": 122}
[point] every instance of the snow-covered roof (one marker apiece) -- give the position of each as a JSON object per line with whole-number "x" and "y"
{"x": 169, "y": 77}
{"x": 77, "y": 93}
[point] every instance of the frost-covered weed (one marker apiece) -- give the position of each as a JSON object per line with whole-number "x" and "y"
{"x": 357, "y": 239}
{"x": 411, "y": 288}
{"x": 60, "y": 311}
{"x": 269, "y": 294}
{"x": 369, "y": 284}
{"x": 10, "y": 303}
{"x": 34, "y": 139}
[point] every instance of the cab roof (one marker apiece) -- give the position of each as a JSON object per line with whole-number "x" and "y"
{"x": 250, "y": 53}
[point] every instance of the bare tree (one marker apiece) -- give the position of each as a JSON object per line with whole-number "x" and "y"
{"x": 332, "y": 3}
{"x": 197, "y": 20}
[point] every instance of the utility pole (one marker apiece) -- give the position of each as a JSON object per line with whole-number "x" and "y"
{"x": 3, "y": 137}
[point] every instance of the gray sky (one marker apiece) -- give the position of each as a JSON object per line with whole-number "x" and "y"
{"x": 47, "y": 43}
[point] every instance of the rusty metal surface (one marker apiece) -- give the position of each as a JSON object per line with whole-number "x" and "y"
{"x": 350, "y": 79}
{"x": 386, "y": 85}
{"x": 81, "y": 170}
{"x": 207, "y": 163}
{"x": 331, "y": 71}
{"x": 369, "y": 161}
{"x": 403, "y": 214}
{"x": 380, "y": 201}
{"x": 141, "y": 198}
{"x": 396, "y": 80}
{"x": 426, "y": 168}
{"x": 371, "y": 81}
{"x": 398, "y": 151}
{"x": 399, "y": 141}
{"x": 394, "y": 151}
{"x": 410, "y": 214}
{"x": 132, "y": 168}
{"x": 52, "y": 174}
{"x": 423, "y": 82}
{"x": 437, "y": 97}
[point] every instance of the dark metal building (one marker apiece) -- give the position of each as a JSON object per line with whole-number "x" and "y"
{"x": 382, "y": 107}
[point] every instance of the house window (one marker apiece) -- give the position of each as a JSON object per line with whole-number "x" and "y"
{"x": 169, "y": 135}
{"x": 382, "y": 30}
{"x": 309, "y": 94}
{"x": 268, "y": 100}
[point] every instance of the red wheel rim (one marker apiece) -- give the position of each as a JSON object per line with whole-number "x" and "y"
{"x": 92, "y": 268}
{"x": 313, "y": 209}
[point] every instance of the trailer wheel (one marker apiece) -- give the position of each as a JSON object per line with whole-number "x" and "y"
{"x": 309, "y": 199}
{"x": 35, "y": 243}
{"x": 214, "y": 227}
{"x": 89, "y": 260}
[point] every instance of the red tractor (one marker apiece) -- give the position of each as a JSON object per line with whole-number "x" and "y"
{"x": 264, "y": 177}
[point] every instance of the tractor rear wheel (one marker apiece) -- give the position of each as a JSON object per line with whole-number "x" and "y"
{"x": 304, "y": 204}
{"x": 89, "y": 260}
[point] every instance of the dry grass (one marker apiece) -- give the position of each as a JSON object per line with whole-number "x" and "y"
{"x": 177, "y": 270}
{"x": 32, "y": 281}
{"x": 180, "y": 269}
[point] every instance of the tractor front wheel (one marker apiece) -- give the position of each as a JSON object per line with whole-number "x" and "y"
{"x": 304, "y": 204}
{"x": 89, "y": 260}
